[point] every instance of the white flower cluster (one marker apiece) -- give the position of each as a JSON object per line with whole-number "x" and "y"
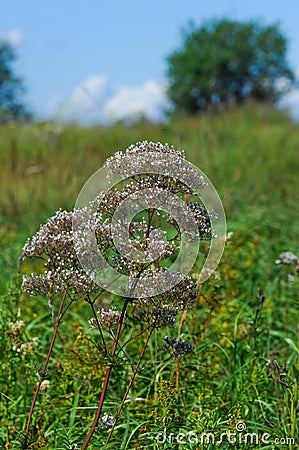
{"x": 17, "y": 327}
{"x": 26, "y": 347}
{"x": 118, "y": 163}
{"x": 105, "y": 318}
{"x": 146, "y": 157}
{"x": 287, "y": 258}
{"x": 108, "y": 421}
{"x": 203, "y": 220}
{"x": 45, "y": 384}
{"x": 54, "y": 244}
{"x": 127, "y": 236}
{"x": 15, "y": 332}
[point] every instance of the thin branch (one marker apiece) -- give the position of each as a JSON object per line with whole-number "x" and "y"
{"x": 44, "y": 370}
{"x": 129, "y": 385}
{"x": 98, "y": 325}
{"x": 106, "y": 379}
{"x": 131, "y": 338}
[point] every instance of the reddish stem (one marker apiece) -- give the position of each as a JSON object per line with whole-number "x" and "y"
{"x": 129, "y": 385}
{"x": 106, "y": 380}
{"x": 44, "y": 370}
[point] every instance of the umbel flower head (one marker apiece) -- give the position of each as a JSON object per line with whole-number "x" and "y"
{"x": 54, "y": 245}
{"x": 287, "y": 258}
{"x": 143, "y": 253}
{"x": 108, "y": 421}
{"x": 105, "y": 318}
{"x": 179, "y": 347}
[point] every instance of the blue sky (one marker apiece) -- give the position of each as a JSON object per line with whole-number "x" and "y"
{"x": 101, "y": 60}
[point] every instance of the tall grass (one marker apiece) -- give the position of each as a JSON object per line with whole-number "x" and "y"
{"x": 251, "y": 155}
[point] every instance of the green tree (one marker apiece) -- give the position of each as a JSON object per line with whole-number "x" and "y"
{"x": 11, "y": 86}
{"x": 226, "y": 62}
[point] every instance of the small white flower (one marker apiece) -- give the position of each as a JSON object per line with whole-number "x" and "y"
{"x": 19, "y": 325}
{"x": 105, "y": 318}
{"x": 287, "y": 258}
{"x": 108, "y": 421}
{"x": 45, "y": 384}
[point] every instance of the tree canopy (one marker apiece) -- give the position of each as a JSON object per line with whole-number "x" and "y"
{"x": 226, "y": 62}
{"x": 11, "y": 86}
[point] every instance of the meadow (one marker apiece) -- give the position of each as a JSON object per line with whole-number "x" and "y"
{"x": 243, "y": 374}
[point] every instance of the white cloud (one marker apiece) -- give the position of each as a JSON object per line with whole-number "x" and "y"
{"x": 84, "y": 104}
{"x": 13, "y": 37}
{"x": 94, "y": 100}
{"x": 290, "y": 101}
{"x": 148, "y": 100}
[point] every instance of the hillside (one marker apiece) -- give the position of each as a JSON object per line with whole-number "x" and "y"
{"x": 246, "y": 310}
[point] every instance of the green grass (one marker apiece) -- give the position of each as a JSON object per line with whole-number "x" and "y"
{"x": 252, "y": 157}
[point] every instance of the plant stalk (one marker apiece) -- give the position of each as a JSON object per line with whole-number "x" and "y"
{"x": 129, "y": 386}
{"x": 44, "y": 370}
{"x": 106, "y": 380}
